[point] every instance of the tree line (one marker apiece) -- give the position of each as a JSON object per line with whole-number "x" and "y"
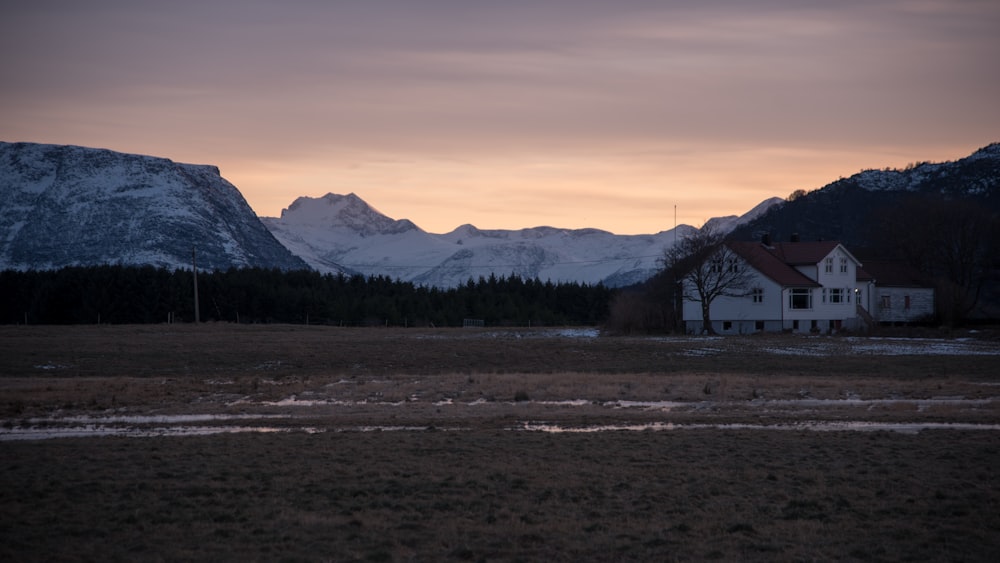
{"x": 145, "y": 294}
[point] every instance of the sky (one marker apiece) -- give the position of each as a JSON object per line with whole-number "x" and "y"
{"x": 513, "y": 114}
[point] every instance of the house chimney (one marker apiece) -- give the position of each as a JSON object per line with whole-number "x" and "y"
{"x": 795, "y": 237}
{"x": 766, "y": 239}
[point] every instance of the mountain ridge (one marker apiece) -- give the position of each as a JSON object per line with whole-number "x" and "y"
{"x": 849, "y": 209}
{"x": 65, "y": 205}
{"x": 325, "y": 232}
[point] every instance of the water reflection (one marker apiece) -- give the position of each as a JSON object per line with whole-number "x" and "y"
{"x": 821, "y": 426}
{"x": 95, "y": 431}
{"x": 50, "y": 431}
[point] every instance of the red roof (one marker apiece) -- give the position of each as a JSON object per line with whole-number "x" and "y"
{"x": 768, "y": 262}
{"x": 802, "y": 253}
{"x": 777, "y": 261}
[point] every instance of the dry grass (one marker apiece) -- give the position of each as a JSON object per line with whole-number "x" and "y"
{"x": 280, "y": 350}
{"x": 486, "y": 493}
{"x": 496, "y": 495}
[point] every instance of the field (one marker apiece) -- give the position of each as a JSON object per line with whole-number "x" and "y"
{"x": 227, "y": 442}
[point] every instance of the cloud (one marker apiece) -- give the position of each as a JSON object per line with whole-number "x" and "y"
{"x": 531, "y": 99}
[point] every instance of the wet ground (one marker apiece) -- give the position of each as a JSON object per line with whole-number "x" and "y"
{"x": 335, "y": 407}
{"x": 288, "y": 380}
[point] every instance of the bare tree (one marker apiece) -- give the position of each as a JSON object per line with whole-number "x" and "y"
{"x": 707, "y": 269}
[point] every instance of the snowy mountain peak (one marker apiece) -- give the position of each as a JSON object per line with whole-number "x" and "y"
{"x": 336, "y": 211}
{"x": 342, "y": 233}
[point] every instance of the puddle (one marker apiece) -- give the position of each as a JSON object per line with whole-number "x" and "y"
{"x": 546, "y": 333}
{"x": 294, "y": 401}
{"x": 567, "y": 403}
{"x": 97, "y": 431}
{"x": 702, "y": 352}
{"x": 920, "y": 405}
{"x": 657, "y": 405}
{"x": 150, "y": 419}
{"x": 144, "y": 426}
{"x": 155, "y": 426}
{"x": 819, "y": 426}
{"x": 665, "y": 406}
{"x": 401, "y": 429}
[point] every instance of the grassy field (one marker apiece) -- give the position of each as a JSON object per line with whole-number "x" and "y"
{"x": 464, "y": 484}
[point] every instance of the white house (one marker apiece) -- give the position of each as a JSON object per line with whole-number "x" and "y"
{"x": 900, "y": 296}
{"x": 796, "y": 286}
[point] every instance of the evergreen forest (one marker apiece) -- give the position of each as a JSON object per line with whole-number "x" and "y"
{"x": 145, "y": 294}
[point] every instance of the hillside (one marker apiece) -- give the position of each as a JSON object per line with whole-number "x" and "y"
{"x": 69, "y": 205}
{"x": 850, "y": 209}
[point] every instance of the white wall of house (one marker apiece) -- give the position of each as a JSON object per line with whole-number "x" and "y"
{"x": 838, "y": 269}
{"x": 832, "y": 308}
{"x": 824, "y": 309}
{"x": 902, "y": 304}
{"x": 740, "y": 315}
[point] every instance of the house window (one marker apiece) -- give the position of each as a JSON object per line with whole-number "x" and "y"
{"x": 829, "y": 265}
{"x": 886, "y": 302}
{"x": 800, "y": 299}
{"x": 906, "y": 301}
{"x": 836, "y": 295}
{"x": 718, "y": 265}
{"x": 757, "y": 295}
{"x": 758, "y": 325}
{"x": 727, "y": 325}
{"x": 843, "y": 265}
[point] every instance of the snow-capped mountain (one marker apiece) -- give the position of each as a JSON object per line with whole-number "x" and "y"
{"x": 67, "y": 205}
{"x": 342, "y": 233}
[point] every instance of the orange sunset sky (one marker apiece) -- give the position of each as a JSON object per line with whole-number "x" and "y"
{"x": 568, "y": 113}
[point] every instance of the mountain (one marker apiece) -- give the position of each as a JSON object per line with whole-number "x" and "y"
{"x": 67, "y": 205}
{"x": 342, "y": 233}
{"x": 729, "y": 223}
{"x": 852, "y": 209}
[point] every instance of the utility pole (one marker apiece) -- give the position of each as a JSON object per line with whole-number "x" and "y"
{"x": 194, "y": 270}
{"x": 675, "y": 224}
